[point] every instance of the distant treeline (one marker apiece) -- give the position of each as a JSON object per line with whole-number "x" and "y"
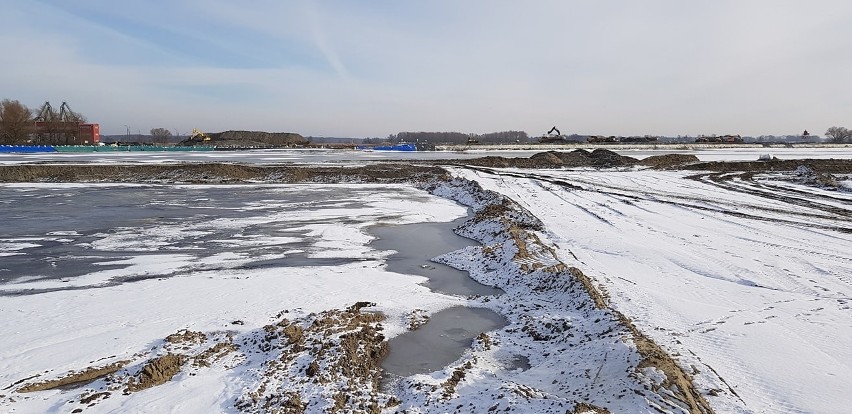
{"x": 454, "y": 137}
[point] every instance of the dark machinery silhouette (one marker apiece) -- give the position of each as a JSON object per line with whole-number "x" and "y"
{"x": 551, "y": 137}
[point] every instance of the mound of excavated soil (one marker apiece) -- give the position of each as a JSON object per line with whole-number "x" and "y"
{"x": 667, "y": 161}
{"x": 157, "y": 371}
{"x": 599, "y": 158}
{"x": 603, "y": 158}
{"x": 829, "y": 166}
{"x": 247, "y": 139}
{"x": 218, "y": 173}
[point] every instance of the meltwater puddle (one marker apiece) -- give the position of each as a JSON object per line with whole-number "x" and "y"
{"x": 440, "y": 341}
{"x": 448, "y": 333}
{"x": 416, "y": 244}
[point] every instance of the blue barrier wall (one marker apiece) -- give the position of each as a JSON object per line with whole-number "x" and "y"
{"x": 26, "y": 148}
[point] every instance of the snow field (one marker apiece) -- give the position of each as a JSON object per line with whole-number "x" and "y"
{"x": 745, "y": 288}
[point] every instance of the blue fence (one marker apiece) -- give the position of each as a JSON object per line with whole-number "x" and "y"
{"x": 26, "y": 149}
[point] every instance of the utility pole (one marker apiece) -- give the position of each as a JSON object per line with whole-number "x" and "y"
{"x": 127, "y": 134}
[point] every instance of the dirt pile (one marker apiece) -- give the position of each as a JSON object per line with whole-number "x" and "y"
{"x": 828, "y": 166}
{"x": 599, "y": 158}
{"x": 157, "y": 371}
{"x": 324, "y": 362}
{"x": 185, "y": 335}
{"x": 243, "y": 139}
{"x": 667, "y": 161}
{"x": 219, "y": 173}
{"x": 337, "y": 352}
{"x": 602, "y": 158}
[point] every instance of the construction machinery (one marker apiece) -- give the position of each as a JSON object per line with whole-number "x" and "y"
{"x": 551, "y": 137}
{"x": 198, "y": 136}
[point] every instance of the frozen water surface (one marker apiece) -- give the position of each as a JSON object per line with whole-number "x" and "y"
{"x": 113, "y": 234}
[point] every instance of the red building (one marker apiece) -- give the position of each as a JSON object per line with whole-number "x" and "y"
{"x": 64, "y": 132}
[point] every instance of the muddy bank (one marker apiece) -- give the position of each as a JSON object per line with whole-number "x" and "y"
{"x": 210, "y": 173}
{"x": 560, "y": 320}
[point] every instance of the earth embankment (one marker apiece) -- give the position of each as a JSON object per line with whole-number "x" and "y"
{"x": 217, "y": 173}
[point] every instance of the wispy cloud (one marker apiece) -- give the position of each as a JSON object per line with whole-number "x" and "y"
{"x": 339, "y": 68}
{"x": 321, "y": 42}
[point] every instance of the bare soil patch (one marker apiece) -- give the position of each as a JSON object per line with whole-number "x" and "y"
{"x": 82, "y": 377}
{"x": 599, "y": 158}
{"x": 667, "y": 161}
{"x": 219, "y": 173}
{"x": 829, "y": 166}
{"x": 157, "y": 371}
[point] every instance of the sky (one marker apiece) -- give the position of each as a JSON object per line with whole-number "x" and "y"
{"x": 370, "y": 69}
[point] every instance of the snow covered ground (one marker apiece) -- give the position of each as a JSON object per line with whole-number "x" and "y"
{"x": 747, "y": 280}
{"x": 744, "y": 280}
{"x": 244, "y": 338}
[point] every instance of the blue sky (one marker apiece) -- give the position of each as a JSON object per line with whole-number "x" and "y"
{"x": 362, "y": 69}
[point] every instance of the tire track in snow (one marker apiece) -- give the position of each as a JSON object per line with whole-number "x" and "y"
{"x": 755, "y": 222}
{"x": 748, "y": 186}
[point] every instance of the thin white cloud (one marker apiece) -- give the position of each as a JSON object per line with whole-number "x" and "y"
{"x": 322, "y": 43}
{"x": 615, "y": 67}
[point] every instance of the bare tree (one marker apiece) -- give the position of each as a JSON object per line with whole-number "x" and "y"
{"x": 839, "y": 134}
{"x": 161, "y": 135}
{"x": 16, "y": 122}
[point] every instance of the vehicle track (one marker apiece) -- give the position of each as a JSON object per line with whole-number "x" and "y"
{"x": 838, "y": 217}
{"x": 723, "y": 180}
{"x": 795, "y": 260}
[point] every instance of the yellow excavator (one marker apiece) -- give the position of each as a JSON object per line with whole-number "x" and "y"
{"x": 198, "y": 136}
